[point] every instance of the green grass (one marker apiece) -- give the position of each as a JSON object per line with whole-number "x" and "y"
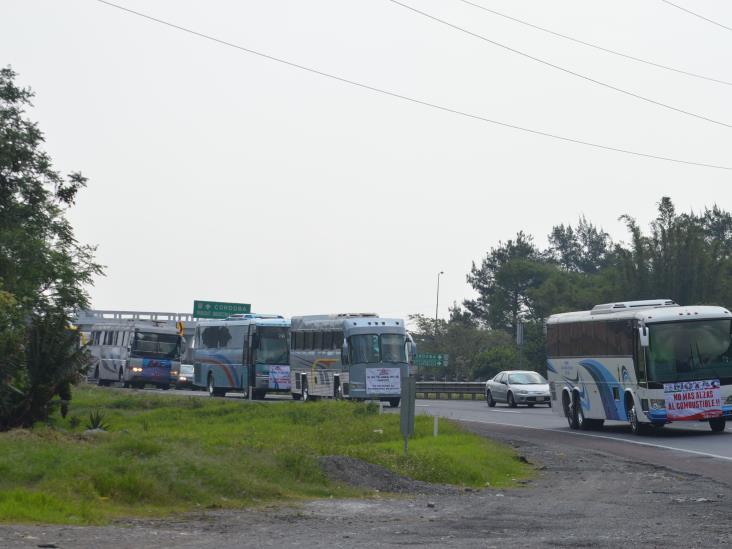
{"x": 166, "y": 454}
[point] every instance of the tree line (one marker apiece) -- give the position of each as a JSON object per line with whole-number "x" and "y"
{"x": 43, "y": 270}
{"x": 686, "y": 257}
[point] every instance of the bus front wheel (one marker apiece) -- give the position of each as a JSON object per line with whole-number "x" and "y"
{"x": 568, "y": 410}
{"x": 636, "y": 426}
{"x": 717, "y": 424}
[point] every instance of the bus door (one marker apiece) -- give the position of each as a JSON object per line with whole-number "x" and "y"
{"x": 250, "y": 353}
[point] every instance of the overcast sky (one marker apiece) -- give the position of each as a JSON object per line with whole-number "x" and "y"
{"x": 216, "y": 174}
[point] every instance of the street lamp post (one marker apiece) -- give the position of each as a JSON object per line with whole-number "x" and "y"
{"x": 437, "y": 302}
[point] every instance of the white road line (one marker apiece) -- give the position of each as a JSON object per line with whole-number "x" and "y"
{"x": 637, "y": 442}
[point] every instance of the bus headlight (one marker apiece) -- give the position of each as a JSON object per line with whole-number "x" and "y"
{"x": 136, "y": 369}
{"x": 658, "y": 404}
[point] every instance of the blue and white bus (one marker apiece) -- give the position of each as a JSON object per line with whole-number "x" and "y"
{"x": 242, "y": 353}
{"x": 647, "y": 363}
{"x": 357, "y": 356}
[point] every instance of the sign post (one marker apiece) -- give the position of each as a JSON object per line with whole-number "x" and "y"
{"x": 219, "y": 309}
{"x": 406, "y": 411}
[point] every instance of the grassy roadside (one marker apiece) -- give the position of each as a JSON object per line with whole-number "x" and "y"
{"x": 166, "y": 454}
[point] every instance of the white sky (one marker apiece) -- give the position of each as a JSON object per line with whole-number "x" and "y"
{"x": 215, "y": 174}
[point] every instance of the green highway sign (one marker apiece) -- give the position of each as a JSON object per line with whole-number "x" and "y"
{"x": 218, "y": 309}
{"x": 431, "y": 360}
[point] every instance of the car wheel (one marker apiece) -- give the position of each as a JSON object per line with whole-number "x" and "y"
{"x": 510, "y": 400}
{"x": 489, "y": 399}
{"x": 717, "y": 424}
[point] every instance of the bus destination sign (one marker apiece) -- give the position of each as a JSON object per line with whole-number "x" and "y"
{"x": 218, "y": 309}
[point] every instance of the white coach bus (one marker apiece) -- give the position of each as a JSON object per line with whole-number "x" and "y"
{"x": 357, "y": 356}
{"x": 648, "y": 363}
{"x": 135, "y": 353}
{"x": 242, "y": 352}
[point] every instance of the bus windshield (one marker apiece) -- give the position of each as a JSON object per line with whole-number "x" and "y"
{"x": 151, "y": 344}
{"x": 273, "y": 348}
{"x": 690, "y": 350}
{"x": 373, "y": 348}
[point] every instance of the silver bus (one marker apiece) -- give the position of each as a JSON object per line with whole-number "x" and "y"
{"x": 135, "y": 353}
{"x": 355, "y": 356}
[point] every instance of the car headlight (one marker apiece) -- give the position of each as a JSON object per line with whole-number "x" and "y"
{"x": 182, "y": 378}
{"x": 522, "y": 392}
{"x": 136, "y": 369}
{"x": 658, "y": 404}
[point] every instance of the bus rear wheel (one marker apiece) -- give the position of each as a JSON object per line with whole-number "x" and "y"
{"x": 717, "y": 424}
{"x": 394, "y": 402}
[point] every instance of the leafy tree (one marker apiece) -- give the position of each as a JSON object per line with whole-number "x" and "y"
{"x": 503, "y": 281}
{"x": 43, "y": 269}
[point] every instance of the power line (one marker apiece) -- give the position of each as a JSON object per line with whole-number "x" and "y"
{"x": 596, "y": 46}
{"x": 697, "y": 15}
{"x": 412, "y": 99}
{"x": 552, "y": 65}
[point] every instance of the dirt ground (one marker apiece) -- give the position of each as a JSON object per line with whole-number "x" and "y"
{"x": 579, "y": 499}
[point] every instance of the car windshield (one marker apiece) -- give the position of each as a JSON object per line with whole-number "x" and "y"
{"x": 375, "y": 348}
{"x": 690, "y": 350}
{"x": 151, "y": 344}
{"x": 526, "y": 378}
{"x": 273, "y": 347}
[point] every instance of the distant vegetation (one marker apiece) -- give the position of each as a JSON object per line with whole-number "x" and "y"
{"x": 685, "y": 257}
{"x": 168, "y": 454}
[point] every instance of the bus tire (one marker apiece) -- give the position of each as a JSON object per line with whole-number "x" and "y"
{"x": 394, "y": 402}
{"x": 511, "y": 401}
{"x": 213, "y": 391}
{"x": 296, "y": 396}
{"x": 636, "y": 426}
{"x": 489, "y": 399}
{"x": 258, "y": 394}
{"x": 165, "y": 386}
{"x": 125, "y": 384}
{"x": 568, "y": 413}
{"x": 717, "y": 424}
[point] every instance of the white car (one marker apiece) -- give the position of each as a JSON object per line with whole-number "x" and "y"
{"x": 516, "y": 387}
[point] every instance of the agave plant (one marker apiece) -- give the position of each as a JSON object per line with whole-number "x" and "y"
{"x": 97, "y": 421}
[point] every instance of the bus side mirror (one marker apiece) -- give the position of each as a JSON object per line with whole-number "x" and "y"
{"x": 412, "y": 351}
{"x": 643, "y": 336}
{"x": 344, "y": 353}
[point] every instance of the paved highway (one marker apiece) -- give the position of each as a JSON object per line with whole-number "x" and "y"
{"x": 692, "y": 438}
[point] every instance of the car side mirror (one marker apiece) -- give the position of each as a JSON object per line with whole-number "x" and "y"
{"x": 643, "y": 336}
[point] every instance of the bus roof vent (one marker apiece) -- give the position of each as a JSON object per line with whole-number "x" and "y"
{"x": 607, "y": 308}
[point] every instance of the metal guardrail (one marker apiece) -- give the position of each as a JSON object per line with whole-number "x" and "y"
{"x": 476, "y": 389}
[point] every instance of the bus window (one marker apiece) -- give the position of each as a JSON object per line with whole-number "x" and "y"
{"x": 238, "y": 334}
{"x": 318, "y": 340}
{"x": 210, "y": 337}
{"x": 327, "y": 340}
{"x": 308, "y": 344}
